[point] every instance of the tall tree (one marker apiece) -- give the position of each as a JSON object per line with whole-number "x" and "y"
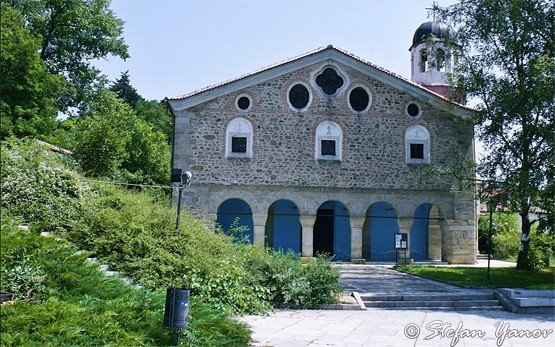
{"x": 73, "y": 33}
{"x": 124, "y": 90}
{"x": 111, "y": 141}
{"x": 507, "y": 65}
{"x": 28, "y": 91}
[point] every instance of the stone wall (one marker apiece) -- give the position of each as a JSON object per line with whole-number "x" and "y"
{"x": 283, "y": 165}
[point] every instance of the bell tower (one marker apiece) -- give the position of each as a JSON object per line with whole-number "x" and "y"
{"x": 431, "y": 58}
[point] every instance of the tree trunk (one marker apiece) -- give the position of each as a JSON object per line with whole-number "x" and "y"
{"x": 524, "y": 262}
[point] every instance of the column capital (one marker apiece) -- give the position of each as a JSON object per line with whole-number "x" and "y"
{"x": 307, "y": 221}
{"x": 404, "y": 223}
{"x": 357, "y": 221}
{"x": 259, "y": 219}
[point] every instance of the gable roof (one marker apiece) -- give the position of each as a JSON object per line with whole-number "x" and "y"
{"x": 318, "y": 55}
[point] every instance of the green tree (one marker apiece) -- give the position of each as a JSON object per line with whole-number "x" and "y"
{"x": 123, "y": 89}
{"x": 28, "y": 102}
{"x": 112, "y": 141}
{"x": 148, "y": 155}
{"x": 157, "y": 115}
{"x": 506, "y": 60}
{"x": 152, "y": 111}
{"x": 73, "y": 33}
{"x": 100, "y": 138}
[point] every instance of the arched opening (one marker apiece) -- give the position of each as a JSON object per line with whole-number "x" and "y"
{"x": 378, "y": 240}
{"x": 283, "y": 227}
{"x": 236, "y": 215}
{"x": 332, "y": 231}
{"x": 425, "y": 233}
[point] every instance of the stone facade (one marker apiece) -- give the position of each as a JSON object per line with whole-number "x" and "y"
{"x": 373, "y": 166}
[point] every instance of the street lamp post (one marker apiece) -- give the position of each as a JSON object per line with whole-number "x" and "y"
{"x": 183, "y": 180}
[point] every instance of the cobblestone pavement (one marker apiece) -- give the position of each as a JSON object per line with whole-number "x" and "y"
{"x": 378, "y": 327}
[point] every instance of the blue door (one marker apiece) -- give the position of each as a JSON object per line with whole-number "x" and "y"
{"x": 236, "y": 209}
{"x": 419, "y": 232}
{"x": 383, "y": 225}
{"x": 332, "y": 231}
{"x": 285, "y": 227}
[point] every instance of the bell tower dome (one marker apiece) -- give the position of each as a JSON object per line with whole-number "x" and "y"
{"x": 431, "y": 58}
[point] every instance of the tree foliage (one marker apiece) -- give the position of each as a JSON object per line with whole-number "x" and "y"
{"x": 71, "y": 34}
{"x": 29, "y": 91}
{"x": 506, "y": 63}
{"x": 112, "y": 142}
{"x": 124, "y": 90}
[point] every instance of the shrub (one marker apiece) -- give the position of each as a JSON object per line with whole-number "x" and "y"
{"x": 134, "y": 232}
{"x": 285, "y": 280}
{"x": 40, "y": 186}
{"x": 81, "y": 306}
{"x": 506, "y": 236}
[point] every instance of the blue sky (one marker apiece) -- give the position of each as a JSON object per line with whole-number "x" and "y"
{"x": 178, "y": 46}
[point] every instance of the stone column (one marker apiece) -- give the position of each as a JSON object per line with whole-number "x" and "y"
{"x": 405, "y": 224}
{"x": 434, "y": 235}
{"x": 357, "y": 223}
{"x": 210, "y": 221}
{"x": 307, "y": 222}
{"x": 259, "y": 223}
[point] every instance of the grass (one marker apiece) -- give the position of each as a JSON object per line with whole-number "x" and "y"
{"x": 74, "y": 304}
{"x": 477, "y": 277}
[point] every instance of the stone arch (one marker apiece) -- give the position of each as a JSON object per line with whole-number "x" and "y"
{"x": 332, "y": 230}
{"x": 236, "y": 209}
{"x": 378, "y": 232}
{"x": 283, "y": 227}
{"x": 425, "y": 233}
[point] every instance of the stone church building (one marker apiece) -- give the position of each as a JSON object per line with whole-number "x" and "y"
{"x": 326, "y": 153}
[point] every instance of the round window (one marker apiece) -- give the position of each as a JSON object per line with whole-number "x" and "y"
{"x": 299, "y": 96}
{"x": 359, "y": 99}
{"x": 243, "y": 103}
{"x": 413, "y": 110}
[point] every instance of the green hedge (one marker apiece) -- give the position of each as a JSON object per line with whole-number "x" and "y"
{"x": 64, "y": 300}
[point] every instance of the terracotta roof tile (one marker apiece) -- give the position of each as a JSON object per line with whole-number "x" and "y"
{"x": 320, "y": 49}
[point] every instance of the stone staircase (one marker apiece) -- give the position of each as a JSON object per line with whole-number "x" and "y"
{"x": 444, "y": 302}
{"x": 381, "y": 286}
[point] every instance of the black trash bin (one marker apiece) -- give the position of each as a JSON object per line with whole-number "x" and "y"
{"x": 176, "y": 312}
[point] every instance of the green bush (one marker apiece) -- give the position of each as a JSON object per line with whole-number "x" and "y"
{"x": 286, "y": 280}
{"x": 134, "y": 232}
{"x": 40, "y": 186}
{"x": 506, "y": 236}
{"x": 79, "y": 305}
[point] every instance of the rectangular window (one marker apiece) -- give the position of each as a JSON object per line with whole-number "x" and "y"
{"x": 327, "y": 147}
{"x": 238, "y": 144}
{"x": 417, "y": 151}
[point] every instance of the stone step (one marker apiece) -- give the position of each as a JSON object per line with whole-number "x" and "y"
{"x": 444, "y": 303}
{"x": 424, "y": 308}
{"x": 426, "y": 297}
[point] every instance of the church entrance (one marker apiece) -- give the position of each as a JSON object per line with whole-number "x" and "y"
{"x": 235, "y": 219}
{"x": 378, "y": 233}
{"x": 332, "y": 231}
{"x": 283, "y": 228}
{"x": 425, "y": 233}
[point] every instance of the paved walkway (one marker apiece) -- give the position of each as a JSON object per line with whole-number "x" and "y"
{"x": 382, "y": 279}
{"x": 378, "y": 327}
{"x": 389, "y": 328}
